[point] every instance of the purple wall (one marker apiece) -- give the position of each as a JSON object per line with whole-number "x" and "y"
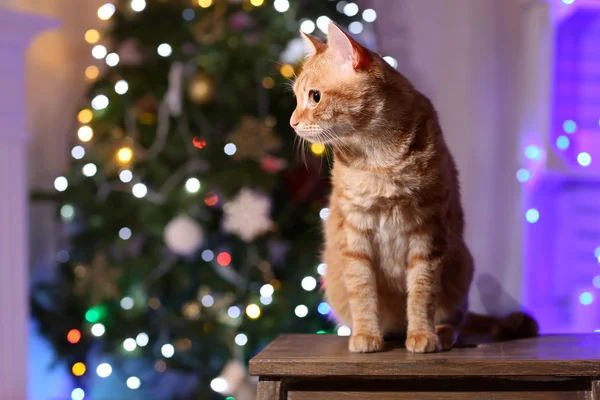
{"x": 562, "y": 240}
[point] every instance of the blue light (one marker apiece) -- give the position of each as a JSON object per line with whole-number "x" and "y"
{"x": 188, "y": 14}
{"x": 569, "y": 126}
{"x": 323, "y": 308}
{"x": 584, "y": 159}
{"x": 523, "y": 175}
{"x": 562, "y": 142}
{"x": 597, "y": 251}
{"x": 596, "y": 282}
{"x": 533, "y": 152}
{"x": 77, "y": 394}
{"x": 208, "y": 255}
{"x": 586, "y": 298}
{"x": 568, "y": 1}
{"x": 532, "y": 215}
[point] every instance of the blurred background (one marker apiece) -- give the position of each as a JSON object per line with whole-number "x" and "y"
{"x": 159, "y": 225}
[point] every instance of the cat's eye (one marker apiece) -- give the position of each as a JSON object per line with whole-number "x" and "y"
{"x": 315, "y": 95}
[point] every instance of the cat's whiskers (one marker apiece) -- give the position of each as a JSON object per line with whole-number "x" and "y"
{"x": 328, "y": 151}
{"x": 289, "y": 85}
{"x": 305, "y": 145}
{"x": 336, "y": 142}
{"x": 299, "y": 148}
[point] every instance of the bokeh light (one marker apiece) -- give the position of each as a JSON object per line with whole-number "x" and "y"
{"x": 74, "y": 336}
{"x": 78, "y": 369}
{"x": 92, "y": 36}
{"x": 532, "y": 215}
{"x": 301, "y": 311}
{"x": 106, "y": 11}
{"x": 586, "y": 298}
{"x": 224, "y": 259}
{"x": 317, "y": 148}
{"x": 253, "y": 311}
{"x": 584, "y": 159}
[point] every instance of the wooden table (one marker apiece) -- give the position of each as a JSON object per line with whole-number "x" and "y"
{"x": 319, "y": 367}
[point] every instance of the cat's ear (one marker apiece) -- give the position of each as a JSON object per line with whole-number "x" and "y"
{"x": 312, "y": 44}
{"x": 346, "y": 49}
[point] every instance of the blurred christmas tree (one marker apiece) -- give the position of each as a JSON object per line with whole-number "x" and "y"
{"x": 192, "y": 228}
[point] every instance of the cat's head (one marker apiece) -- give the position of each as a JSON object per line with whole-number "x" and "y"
{"x": 340, "y": 89}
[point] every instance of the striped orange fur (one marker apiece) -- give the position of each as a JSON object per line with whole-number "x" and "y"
{"x": 394, "y": 249}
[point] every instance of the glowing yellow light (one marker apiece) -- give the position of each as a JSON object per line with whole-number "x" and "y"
{"x": 287, "y": 71}
{"x": 92, "y": 36}
{"x": 85, "y": 116}
{"x": 85, "y": 133}
{"x": 253, "y": 311}
{"x": 92, "y": 72}
{"x": 257, "y": 3}
{"x": 317, "y": 148}
{"x": 205, "y": 3}
{"x": 268, "y": 83}
{"x": 124, "y": 155}
{"x": 78, "y": 369}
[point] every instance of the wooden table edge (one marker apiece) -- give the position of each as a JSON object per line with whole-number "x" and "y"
{"x": 476, "y": 368}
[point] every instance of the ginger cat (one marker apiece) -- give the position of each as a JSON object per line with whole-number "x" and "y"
{"x": 396, "y": 259}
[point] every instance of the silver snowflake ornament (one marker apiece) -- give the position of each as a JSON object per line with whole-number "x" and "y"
{"x": 247, "y": 215}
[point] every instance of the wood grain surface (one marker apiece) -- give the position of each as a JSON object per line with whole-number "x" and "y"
{"x": 437, "y": 396}
{"x": 328, "y": 356}
{"x": 595, "y": 394}
{"x": 269, "y": 390}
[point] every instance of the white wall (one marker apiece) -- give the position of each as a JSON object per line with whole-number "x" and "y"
{"x": 474, "y": 59}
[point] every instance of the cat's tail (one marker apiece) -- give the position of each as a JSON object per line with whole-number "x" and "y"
{"x": 517, "y": 325}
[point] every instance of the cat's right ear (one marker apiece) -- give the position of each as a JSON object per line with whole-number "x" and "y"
{"x": 312, "y": 44}
{"x": 347, "y": 50}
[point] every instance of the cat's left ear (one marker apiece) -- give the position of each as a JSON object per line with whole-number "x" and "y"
{"x": 346, "y": 49}
{"x": 313, "y": 45}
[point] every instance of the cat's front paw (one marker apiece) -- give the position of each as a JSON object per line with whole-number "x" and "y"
{"x": 365, "y": 343}
{"x": 422, "y": 342}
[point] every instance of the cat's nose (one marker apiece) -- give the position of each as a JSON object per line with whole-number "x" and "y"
{"x": 294, "y": 122}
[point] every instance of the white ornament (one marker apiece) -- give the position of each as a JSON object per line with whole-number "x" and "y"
{"x": 294, "y": 51}
{"x": 183, "y": 235}
{"x": 247, "y": 215}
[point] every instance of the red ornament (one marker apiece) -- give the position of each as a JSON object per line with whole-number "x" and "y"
{"x": 211, "y": 199}
{"x": 323, "y": 283}
{"x": 198, "y": 143}
{"x": 272, "y": 164}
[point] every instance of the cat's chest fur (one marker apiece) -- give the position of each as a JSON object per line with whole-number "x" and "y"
{"x": 376, "y": 198}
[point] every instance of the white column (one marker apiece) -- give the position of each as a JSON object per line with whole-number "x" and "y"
{"x": 16, "y": 32}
